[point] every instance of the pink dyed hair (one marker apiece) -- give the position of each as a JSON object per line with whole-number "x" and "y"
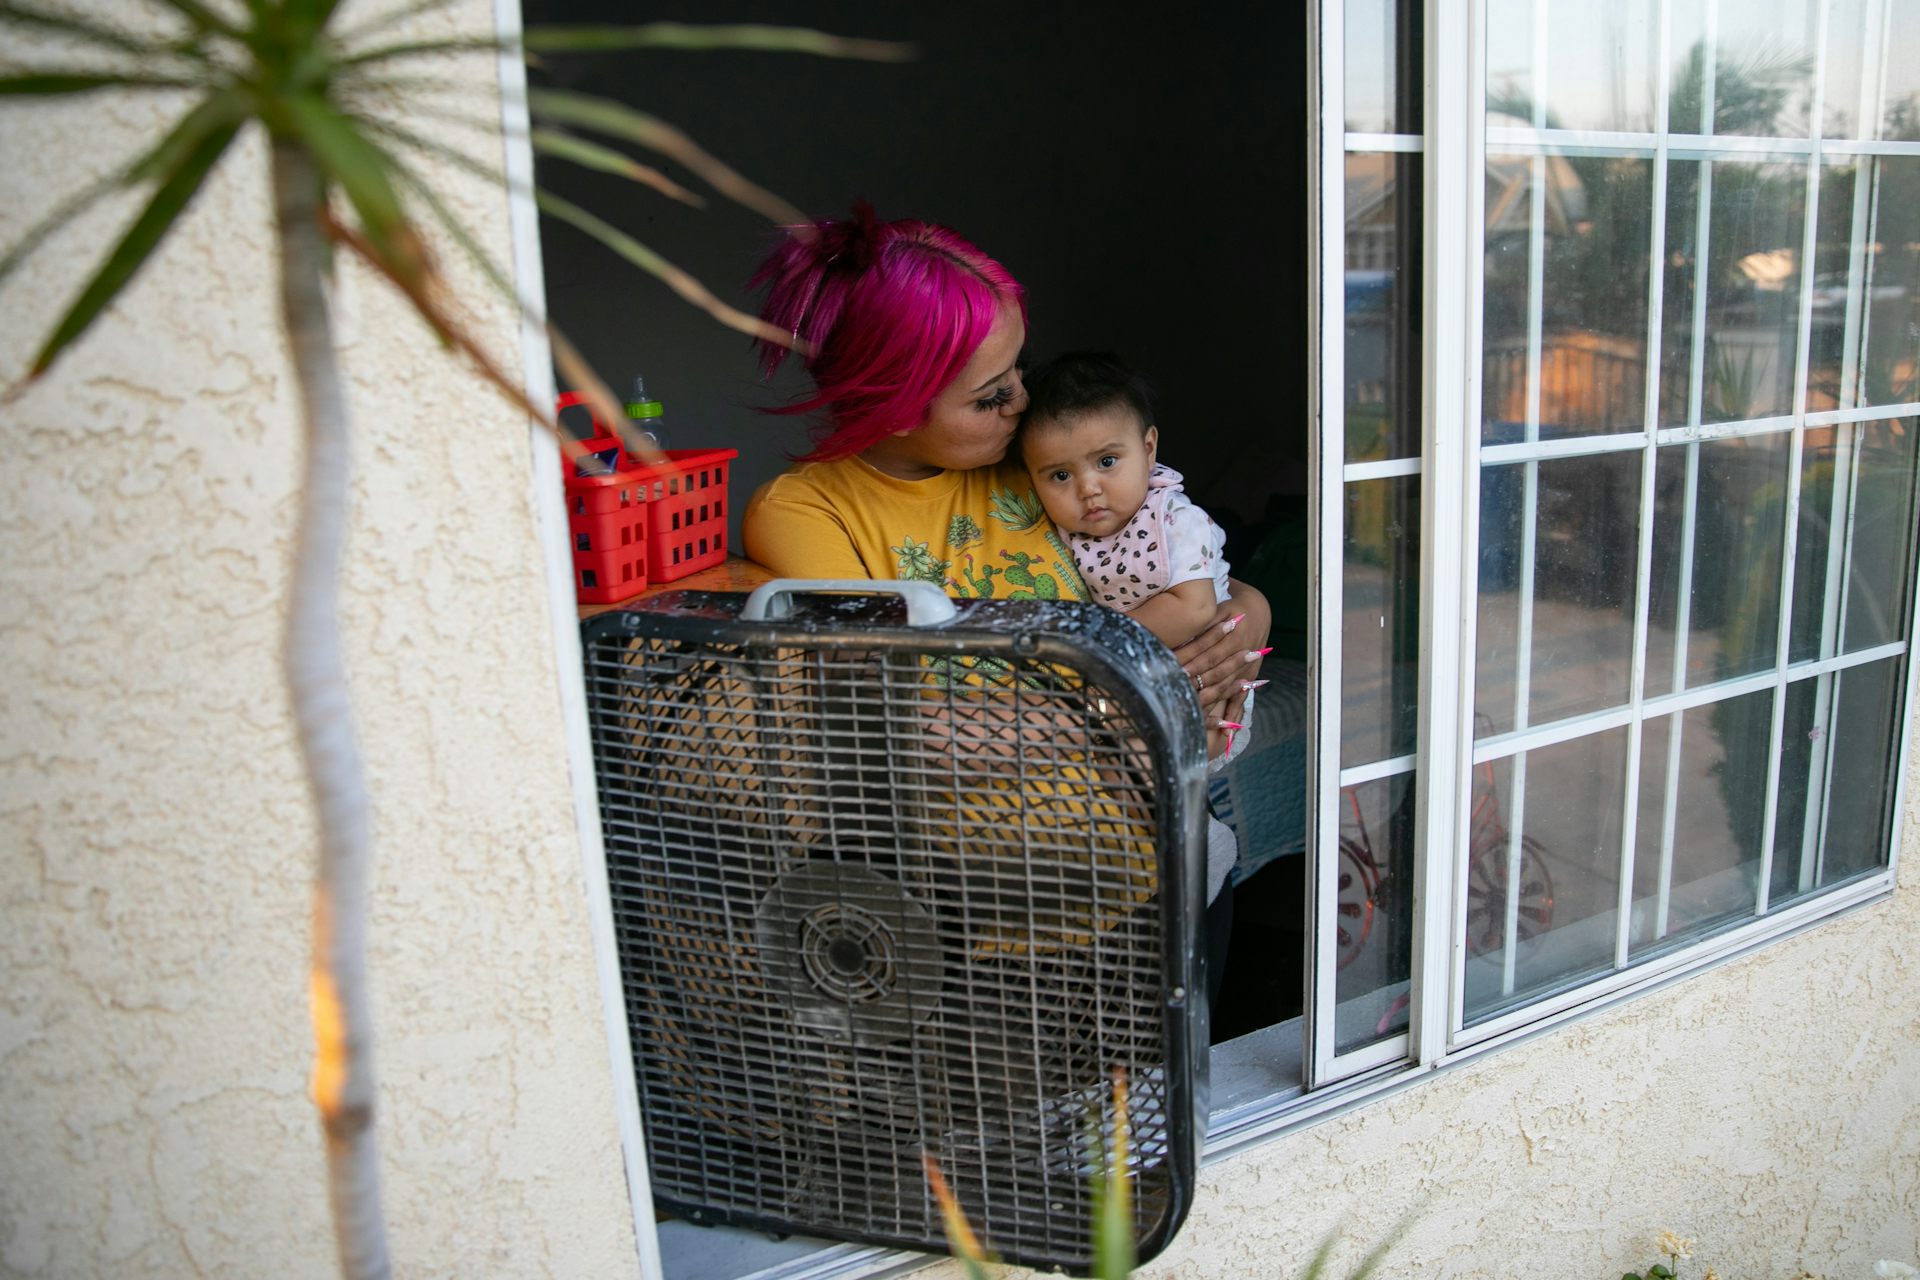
{"x": 892, "y": 310}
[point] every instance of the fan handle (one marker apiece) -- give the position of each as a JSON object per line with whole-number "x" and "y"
{"x": 926, "y": 603}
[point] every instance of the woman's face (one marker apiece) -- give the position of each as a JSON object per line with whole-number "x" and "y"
{"x": 971, "y": 422}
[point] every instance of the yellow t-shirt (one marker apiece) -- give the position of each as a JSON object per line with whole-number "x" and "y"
{"x": 976, "y": 534}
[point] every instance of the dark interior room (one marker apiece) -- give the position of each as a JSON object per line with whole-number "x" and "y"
{"x": 1143, "y": 171}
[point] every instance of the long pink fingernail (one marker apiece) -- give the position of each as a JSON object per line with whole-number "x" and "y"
{"x": 1232, "y": 622}
{"x": 1248, "y": 686}
{"x": 1254, "y": 655}
{"x": 1230, "y": 725}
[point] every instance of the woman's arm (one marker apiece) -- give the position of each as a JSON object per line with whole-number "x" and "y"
{"x": 799, "y": 539}
{"x": 1226, "y": 653}
{"x": 1177, "y": 613}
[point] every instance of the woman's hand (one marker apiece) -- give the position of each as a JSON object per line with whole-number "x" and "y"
{"x": 1226, "y": 655}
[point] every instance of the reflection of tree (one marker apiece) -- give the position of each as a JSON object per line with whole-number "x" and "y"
{"x": 1880, "y": 513}
{"x": 1750, "y": 95}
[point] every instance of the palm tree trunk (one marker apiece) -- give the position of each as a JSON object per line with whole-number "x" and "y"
{"x": 316, "y": 677}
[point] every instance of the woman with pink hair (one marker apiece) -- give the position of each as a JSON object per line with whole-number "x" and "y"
{"x": 913, "y": 338}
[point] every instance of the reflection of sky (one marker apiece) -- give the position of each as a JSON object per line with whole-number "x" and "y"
{"x": 1600, "y": 61}
{"x": 1369, "y": 65}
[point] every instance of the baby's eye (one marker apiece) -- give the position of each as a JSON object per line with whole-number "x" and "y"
{"x": 1108, "y": 460}
{"x": 1058, "y": 477}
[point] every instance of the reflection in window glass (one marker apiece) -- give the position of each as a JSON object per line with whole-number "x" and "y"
{"x": 1848, "y": 109}
{"x": 1839, "y": 266}
{"x": 1553, "y": 922}
{"x": 1900, "y": 107}
{"x": 1599, "y": 72}
{"x": 1571, "y": 610}
{"x": 1382, "y": 66}
{"x": 1382, "y": 306}
{"x": 1857, "y": 483}
{"x": 1717, "y": 527}
{"x": 1380, "y": 623}
{"x": 1509, "y": 62}
{"x": 1593, "y": 327}
{"x": 1880, "y": 565}
{"x": 1503, "y": 399}
{"x": 1866, "y": 286}
{"x": 1593, "y": 345}
{"x": 1374, "y": 932}
{"x": 1760, "y": 84}
{"x": 1753, "y": 288}
{"x": 1836, "y": 777}
{"x": 1697, "y": 840}
{"x": 1679, "y": 274}
{"x": 1891, "y": 350}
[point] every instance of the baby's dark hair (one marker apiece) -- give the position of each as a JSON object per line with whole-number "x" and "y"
{"x": 1082, "y": 382}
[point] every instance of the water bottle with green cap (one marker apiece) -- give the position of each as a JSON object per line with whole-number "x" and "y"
{"x": 648, "y": 414}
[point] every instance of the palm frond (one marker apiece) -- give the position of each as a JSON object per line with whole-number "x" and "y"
{"x": 600, "y": 398}
{"x": 591, "y": 155}
{"x": 140, "y": 240}
{"x": 84, "y": 29}
{"x": 423, "y": 49}
{"x": 63, "y": 213}
{"x": 690, "y": 37}
{"x": 353, "y": 37}
{"x": 450, "y": 222}
{"x": 206, "y": 20}
{"x": 63, "y": 82}
{"x": 439, "y": 150}
{"x": 346, "y": 157}
{"x": 654, "y": 265}
{"x": 616, "y": 119}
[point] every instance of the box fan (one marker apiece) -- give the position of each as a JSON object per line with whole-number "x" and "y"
{"x": 896, "y": 876}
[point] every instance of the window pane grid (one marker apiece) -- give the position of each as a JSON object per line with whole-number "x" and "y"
{"x": 1744, "y": 357}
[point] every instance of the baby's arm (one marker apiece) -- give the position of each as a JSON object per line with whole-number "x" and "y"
{"x": 1179, "y": 613}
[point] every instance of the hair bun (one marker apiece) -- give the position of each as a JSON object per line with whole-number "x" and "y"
{"x": 853, "y": 242}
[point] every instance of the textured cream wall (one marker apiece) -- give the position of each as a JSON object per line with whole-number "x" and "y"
{"x": 155, "y": 840}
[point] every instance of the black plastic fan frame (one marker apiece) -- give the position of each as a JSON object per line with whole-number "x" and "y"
{"x": 825, "y": 980}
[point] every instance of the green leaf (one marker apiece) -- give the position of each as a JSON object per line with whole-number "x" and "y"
{"x": 655, "y": 265}
{"x": 176, "y": 190}
{"x": 345, "y": 157}
{"x": 66, "y": 211}
{"x": 616, "y": 119}
{"x": 468, "y": 242}
{"x": 1660, "y": 1271}
{"x": 592, "y": 155}
{"x": 1317, "y": 1265}
{"x": 423, "y": 49}
{"x": 1377, "y": 1255}
{"x": 53, "y": 83}
{"x": 390, "y": 19}
{"x": 206, "y": 20}
{"x": 1633, "y": 1275}
{"x": 700, "y": 38}
{"x": 68, "y": 24}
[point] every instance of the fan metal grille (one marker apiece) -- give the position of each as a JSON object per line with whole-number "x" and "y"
{"x": 862, "y": 915}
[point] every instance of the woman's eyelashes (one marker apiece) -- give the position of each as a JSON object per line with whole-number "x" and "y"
{"x": 1001, "y": 397}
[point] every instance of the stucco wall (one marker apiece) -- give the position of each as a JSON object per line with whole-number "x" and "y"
{"x": 155, "y": 839}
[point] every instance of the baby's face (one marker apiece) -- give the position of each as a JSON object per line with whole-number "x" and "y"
{"x": 1090, "y": 469}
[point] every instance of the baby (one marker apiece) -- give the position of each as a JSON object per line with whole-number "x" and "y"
{"x": 1088, "y": 442}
